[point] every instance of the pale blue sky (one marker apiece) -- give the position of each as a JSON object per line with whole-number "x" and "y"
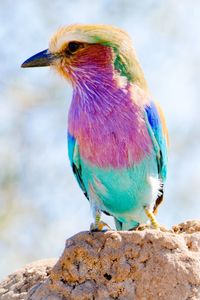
{"x": 40, "y": 199}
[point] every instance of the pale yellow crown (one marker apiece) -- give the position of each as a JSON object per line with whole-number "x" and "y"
{"x": 103, "y": 34}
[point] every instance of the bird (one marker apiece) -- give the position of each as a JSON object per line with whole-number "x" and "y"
{"x": 117, "y": 133}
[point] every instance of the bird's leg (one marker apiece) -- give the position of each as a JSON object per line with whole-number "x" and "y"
{"x": 152, "y": 218}
{"x": 98, "y": 225}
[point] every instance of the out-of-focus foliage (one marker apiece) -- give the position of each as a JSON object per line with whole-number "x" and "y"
{"x": 40, "y": 202}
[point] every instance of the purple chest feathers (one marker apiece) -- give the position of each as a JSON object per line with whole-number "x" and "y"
{"x": 109, "y": 127}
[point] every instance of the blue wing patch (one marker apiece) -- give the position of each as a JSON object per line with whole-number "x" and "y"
{"x": 158, "y": 138}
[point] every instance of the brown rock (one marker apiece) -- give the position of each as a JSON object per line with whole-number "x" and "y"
{"x": 16, "y": 285}
{"x": 137, "y": 265}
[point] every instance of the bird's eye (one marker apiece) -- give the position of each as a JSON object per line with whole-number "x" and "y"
{"x": 73, "y": 46}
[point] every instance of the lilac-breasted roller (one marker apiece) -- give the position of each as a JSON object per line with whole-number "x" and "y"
{"x": 117, "y": 137}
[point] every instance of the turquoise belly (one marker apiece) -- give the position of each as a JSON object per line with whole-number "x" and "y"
{"x": 121, "y": 192}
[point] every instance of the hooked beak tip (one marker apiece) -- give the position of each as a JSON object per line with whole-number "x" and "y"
{"x": 23, "y": 65}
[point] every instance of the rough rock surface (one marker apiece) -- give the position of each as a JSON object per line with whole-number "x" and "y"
{"x": 137, "y": 265}
{"x": 16, "y": 285}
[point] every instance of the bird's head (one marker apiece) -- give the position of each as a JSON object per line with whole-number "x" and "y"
{"x": 80, "y": 51}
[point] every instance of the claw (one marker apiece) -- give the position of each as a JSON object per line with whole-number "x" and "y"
{"x": 99, "y": 227}
{"x": 142, "y": 227}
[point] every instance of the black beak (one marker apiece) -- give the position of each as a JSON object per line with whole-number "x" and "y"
{"x": 41, "y": 59}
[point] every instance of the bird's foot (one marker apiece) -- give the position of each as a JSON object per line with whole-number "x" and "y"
{"x": 154, "y": 224}
{"x": 98, "y": 225}
{"x": 152, "y": 218}
{"x": 101, "y": 226}
{"x": 142, "y": 227}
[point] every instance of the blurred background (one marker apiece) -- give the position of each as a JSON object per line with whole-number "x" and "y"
{"x": 40, "y": 202}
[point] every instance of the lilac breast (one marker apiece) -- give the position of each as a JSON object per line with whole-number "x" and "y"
{"x": 110, "y": 129}
{"x": 107, "y": 123}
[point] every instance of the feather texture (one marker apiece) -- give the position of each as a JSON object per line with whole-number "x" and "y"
{"x": 117, "y": 136}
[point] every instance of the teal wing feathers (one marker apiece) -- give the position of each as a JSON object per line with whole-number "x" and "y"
{"x": 74, "y": 158}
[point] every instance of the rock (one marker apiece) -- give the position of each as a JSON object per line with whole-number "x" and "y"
{"x": 16, "y": 285}
{"x": 136, "y": 265}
